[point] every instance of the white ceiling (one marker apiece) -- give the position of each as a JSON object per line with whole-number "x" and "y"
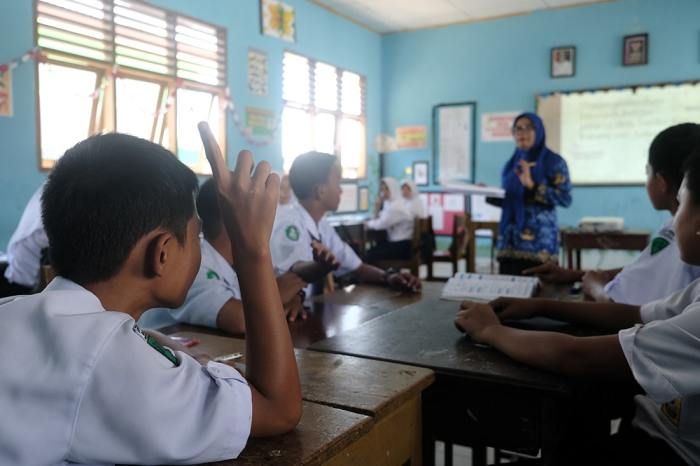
{"x": 385, "y": 16}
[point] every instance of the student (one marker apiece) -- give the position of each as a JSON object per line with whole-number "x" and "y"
{"x": 393, "y": 216}
{"x": 315, "y": 180}
{"x": 214, "y": 300}
{"x": 658, "y": 271}
{"x": 24, "y": 250}
{"x": 657, "y": 345}
{"x": 82, "y": 379}
{"x": 411, "y": 197}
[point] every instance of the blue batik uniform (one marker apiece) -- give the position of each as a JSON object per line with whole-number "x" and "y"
{"x": 528, "y": 228}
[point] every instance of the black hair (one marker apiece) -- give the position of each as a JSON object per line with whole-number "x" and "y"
{"x": 692, "y": 175}
{"x": 105, "y": 194}
{"x": 669, "y": 150}
{"x": 308, "y": 171}
{"x": 208, "y": 209}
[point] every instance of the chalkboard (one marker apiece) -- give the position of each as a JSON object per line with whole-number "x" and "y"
{"x": 604, "y": 134}
{"x": 453, "y": 141}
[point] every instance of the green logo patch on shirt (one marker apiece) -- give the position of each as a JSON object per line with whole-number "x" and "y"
{"x": 292, "y": 232}
{"x": 657, "y": 244}
{"x": 162, "y": 350}
{"x": 211, "y": 275}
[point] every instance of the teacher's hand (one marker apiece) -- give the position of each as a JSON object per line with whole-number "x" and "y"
{"x": 523, "y": 172}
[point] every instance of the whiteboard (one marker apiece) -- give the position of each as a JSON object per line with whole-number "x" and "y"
{"x": 604, "y": 135}
{"x": 453, "y": 141}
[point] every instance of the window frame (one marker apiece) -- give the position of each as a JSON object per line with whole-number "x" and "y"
{"x": 313, "y": 110}
{"x": 106, "y": 120}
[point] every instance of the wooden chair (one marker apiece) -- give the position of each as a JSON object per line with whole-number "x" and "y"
{"x": 471, "y": 247}
{"x": 458, "y": 246}
{"x": 421, "y": 227}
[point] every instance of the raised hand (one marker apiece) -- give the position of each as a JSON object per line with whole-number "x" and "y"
{"x": 523, "y": 172}
{"x": 247, "y": 203}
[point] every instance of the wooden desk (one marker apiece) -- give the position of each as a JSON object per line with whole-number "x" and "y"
{"x": 322, "y": 437}
{"x": 574, "y": 240}
{"x": 480, "y": 396}
{"x": 325, "y": 318}
{"x": 389, "y": 393}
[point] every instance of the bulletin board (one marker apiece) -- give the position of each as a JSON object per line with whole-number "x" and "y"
{"x": 454, "y": 128}
{"x": 443, "y": 207}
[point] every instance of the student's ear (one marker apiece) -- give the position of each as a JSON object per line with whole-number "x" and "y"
{"x": 319, "y": 192}
{"x": 159, "y": 253}
{"x": 664, "y": 185}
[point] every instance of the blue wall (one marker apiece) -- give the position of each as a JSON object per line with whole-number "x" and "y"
{"x": 502, "y": 64}
{"x": 320, "y": 35}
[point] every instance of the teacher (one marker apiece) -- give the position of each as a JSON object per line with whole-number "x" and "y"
{"x": 536, "y": 180}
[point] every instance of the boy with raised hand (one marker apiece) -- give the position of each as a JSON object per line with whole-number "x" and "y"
{"x": 656, "y": 345}
{"x": 80, "y": 375}
{"x": 214, "y": 299}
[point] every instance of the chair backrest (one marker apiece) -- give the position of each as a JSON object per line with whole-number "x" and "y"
{"x": 460, "y": 235}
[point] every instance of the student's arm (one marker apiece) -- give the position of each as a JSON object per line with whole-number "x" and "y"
{"x": 401, "y": 280}
{"x": 555, "y": 352}
{"x": 230, "y": 318}
{"x": 606, "y": 316}
{"x": 248, "y": 211}
{"x": 387, "y": 218}
{"x": 289, "y": 284}
{"x": 551, "y": 272}
{"x": 323, "y": 263}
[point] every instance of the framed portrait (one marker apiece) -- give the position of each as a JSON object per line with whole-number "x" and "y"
{"x": 562, "y": 63}
{"x": 635, "y": 50}
{"x": 420, "y": 173}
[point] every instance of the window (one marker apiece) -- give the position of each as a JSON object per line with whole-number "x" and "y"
{"x": 123, "y": 65}
{"x": 323, "y": 111}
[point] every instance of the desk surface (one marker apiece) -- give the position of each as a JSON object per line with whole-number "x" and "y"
{"x": 423, "y": 334}
{"x": 322, "y": 433}
{"x": 364, "y": 386}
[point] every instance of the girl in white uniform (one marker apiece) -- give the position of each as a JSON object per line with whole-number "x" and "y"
{"x": 411, "y": 197}
{"x": 393, "y": 216}
{"x": 657, "y": 345}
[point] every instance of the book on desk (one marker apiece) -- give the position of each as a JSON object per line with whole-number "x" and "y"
{"x": 486, "y": 287}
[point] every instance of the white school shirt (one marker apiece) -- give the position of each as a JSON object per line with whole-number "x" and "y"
{"x": 664, "y": 355}
{"x": 396, "y": 219}
{"x": 291, "y": 238}
{"x": 80, "y": 384}
{"x": 215, "y": 284}
{"x": 657, "y": 272}
{"x": 26, "y": 243}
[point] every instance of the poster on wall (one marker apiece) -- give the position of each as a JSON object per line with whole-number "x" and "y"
{"x": 497, "y": 127}
{"x": 411, "y": 137}
{"x": 278, "y": 20}
{"x": 260, "y": 122}
{"x": 453, "y": 141}
{"x": 5, "y": 92}
{"x": 348, "y": 198}
{"x": 257, "y": 72}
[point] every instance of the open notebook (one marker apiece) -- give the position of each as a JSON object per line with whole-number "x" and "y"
{"x": 487, "y": 287}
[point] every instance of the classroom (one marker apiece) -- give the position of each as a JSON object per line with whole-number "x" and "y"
{"x": 350, "y": 232}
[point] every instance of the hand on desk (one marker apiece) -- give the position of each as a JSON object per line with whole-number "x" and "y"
{"x": 516, "y": 308}
{"x": 551, "y": 272}
{"x": 404, "y": 281}
{"x": 475, "y": 319}
{"x": 324, "y": 257}
{"x": 294, "y": 309}
{"x": 593, "y": 283}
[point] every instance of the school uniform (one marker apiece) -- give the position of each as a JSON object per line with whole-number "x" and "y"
{"x": 664, "y": 355}
{"x": 215, "y": 284}
{"x": 656, "y": 273}
{"x": 83, "y": 385}
{"x": 26, "y": 244}
{"x": 397, "y": 220}
{"x": 291, "y": 238}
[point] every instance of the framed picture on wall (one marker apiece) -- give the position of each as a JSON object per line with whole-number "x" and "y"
{"x": 562, "y": 63}
{"x": 420, "y": 173}
{"x": 454, "y": 128}
{"x": 635, "y": 50}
